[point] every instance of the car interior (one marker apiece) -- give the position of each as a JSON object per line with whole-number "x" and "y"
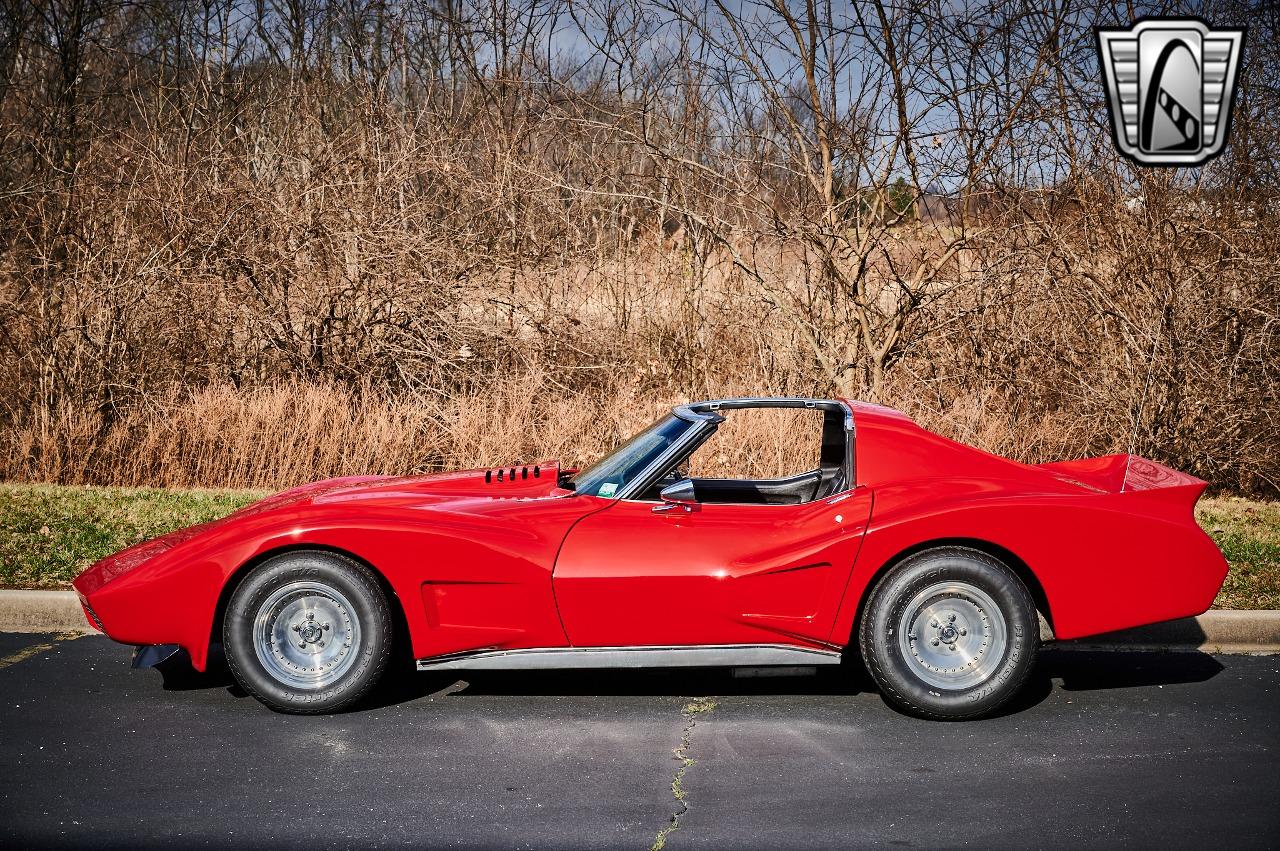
{"x": 830, "y": 477}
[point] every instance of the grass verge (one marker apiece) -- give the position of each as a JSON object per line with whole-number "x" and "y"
{"x": 49, "y": 533}
{"x": 1249, "y": 534}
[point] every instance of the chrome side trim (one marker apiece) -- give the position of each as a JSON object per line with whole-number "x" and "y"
{"x": 697, "y": 656}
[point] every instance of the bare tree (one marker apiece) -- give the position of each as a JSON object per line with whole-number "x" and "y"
{"x": 418, "y": 205}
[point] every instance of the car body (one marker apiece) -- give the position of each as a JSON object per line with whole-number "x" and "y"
{"x": 533, "y": 566}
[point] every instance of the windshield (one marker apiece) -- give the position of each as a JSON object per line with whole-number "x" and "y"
{"x": 606, "y": 477}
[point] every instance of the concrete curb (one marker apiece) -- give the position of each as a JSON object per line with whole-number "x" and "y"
{"x": 1217, "y": 631}
{"x": 1230, "y": 631}
{"x": 42, "y": 611}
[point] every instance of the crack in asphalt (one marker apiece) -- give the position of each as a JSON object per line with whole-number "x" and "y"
{"x": 693, "y": 709}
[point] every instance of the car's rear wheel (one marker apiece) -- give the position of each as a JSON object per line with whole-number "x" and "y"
{"x": 308, "y": 632}
{"x": 949, "y": 634}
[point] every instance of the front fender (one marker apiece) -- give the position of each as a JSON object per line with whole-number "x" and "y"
{"x": 467, "y": 574}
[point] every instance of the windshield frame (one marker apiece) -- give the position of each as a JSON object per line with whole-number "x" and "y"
{"x": 699, "y": 425}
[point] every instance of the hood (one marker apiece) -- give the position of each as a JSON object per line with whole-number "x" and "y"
{"x": 524, "y": 480}
{"x": 519, "y": 481}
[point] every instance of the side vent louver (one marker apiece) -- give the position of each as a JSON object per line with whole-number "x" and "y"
{"x": 510, "y": 475}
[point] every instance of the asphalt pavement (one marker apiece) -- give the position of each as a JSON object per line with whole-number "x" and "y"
{"x": 1175, "y": 750}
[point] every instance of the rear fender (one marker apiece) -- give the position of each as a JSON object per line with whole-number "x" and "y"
{"x": 1104, "y": 561}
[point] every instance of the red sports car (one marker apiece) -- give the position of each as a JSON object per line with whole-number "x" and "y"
{"x": 930, "y": 557}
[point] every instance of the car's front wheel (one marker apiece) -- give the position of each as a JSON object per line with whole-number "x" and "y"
{"x": 308, "y": 632}
{"x": 949, "y": 634}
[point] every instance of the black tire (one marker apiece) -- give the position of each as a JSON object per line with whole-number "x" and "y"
{"x": 911, "y": 634}
{"x": 308, "y": 632}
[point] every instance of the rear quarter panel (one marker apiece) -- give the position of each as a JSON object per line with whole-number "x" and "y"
{"x": 1104, "y": 561}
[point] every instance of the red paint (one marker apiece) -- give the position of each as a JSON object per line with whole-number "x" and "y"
{"x": 522, "y": 563}
{"x": 719, "y": 574}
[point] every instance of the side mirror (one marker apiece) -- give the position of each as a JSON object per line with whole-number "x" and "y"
{"x": 680, "y": 495}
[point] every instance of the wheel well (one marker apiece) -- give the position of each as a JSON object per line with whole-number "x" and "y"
{"x": 239, "y": 574}
{"x": 1009, "y": 558}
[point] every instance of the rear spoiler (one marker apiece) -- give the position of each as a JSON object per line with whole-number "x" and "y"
{"x": 1130, "y": 474}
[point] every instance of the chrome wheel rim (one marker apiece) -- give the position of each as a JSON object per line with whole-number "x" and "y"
{"x": 306, "y": 635}
{"x": 953, "y": 635}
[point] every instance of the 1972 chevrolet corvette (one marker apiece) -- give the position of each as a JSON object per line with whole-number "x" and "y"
{"x": 929, "y": 557}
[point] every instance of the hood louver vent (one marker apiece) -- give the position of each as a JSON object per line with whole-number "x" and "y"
{"x": 512, "y": 474}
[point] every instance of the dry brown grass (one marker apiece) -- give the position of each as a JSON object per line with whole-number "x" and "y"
{"x": 279, "y": 436}
{"x": 266, "y": 437}
{"x": 253, "y": 265}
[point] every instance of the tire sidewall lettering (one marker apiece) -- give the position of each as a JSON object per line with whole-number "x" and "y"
{"x": 894, "y": 673}
{"x": 345, "y": 576}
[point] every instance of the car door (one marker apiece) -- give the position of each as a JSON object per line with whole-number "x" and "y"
{"x": 714, "y": 574}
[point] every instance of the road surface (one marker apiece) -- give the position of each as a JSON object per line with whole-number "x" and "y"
{"x": 1104, "y": 749}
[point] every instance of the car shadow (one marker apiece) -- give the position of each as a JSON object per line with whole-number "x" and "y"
{"x": 845, "y": 679}
{"x": 1069, "y": 668}
{"x": 176, "y": 674}
{"x": 1077, "y": 670}
{"x": 1093, "y": 670}
{"x": 1065, "y": 669}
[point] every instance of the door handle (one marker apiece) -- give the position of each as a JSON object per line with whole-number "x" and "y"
{"x": 664, "y": 507}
